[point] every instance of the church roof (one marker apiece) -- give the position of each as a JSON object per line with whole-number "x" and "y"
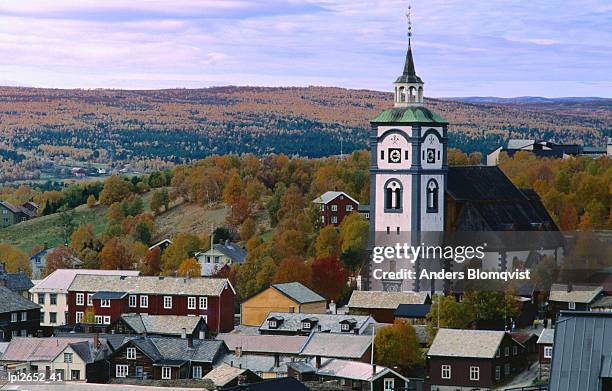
{"x": 409, "y": 75}
{"x": 409, "y": 115}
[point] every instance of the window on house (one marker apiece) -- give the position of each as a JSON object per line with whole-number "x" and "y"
{"x": 349, "y": 208}
{"x": 203, "y": 302}
{"x": 144, "y": 301}
{"x": 106, "y": 320}
{"x": 498, "y": 353}
{"x": 75, "y": 374}
{"x": 389, "y": 384}
{"x": 167, "y": 302}
{"x": 306, "y": 325}
{"x": 506, "y": 351}
{"x": 197, "y": 372}
{"x": 41, "y": 298}
{"x": 24, "y": 333}
{"x": 191, "y": 303}
{"x": 121, "y": 371}
{"x": 432, "y": 196}
{"x": 105, "y": 303}
{"x": 571, "y": 305}
{"x": 474, "y": 373}
{"x": 53, "y": 298}
{"x": 166, "y": 373}
{"x": 15, "y": 333}
{"x": 98, "y": 319}
{"x": 130, "y": 353}
{"x": 217, "y": 258}
{"x": 446, "y": 371}
{"x": 68, "y": 357}
{"x": 393, "y": 195}
{"x": 334, "y": 208}
{"x": 24, "y": 316}
{"x": 90, "y": 299}
{"x": 80, "y": 299}
{"x": 52, "y": 317}
{"x": 507, "y": 369}
{"x": 497, "y": 372}
{"x": 334, "y": 220}
{"x": 272, "y": 324}
{"x": 344, "y": 327}
{"x": 42, "y": 316}
{"x": 547, "y": 351}
{"x": 514, "y": 350}
{"x": 132, "y": 301}
{"x": 79, "y": 317}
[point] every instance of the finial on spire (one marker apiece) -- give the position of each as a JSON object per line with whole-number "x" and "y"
{"x": 409, "y": 24}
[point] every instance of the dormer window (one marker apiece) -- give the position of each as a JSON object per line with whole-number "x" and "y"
{"x": 345, "y": 327}
{"x": 272, "y": 324}
{"x": 306, "y": 325}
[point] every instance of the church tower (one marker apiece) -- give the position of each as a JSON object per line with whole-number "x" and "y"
{"x": 408, "y": 146}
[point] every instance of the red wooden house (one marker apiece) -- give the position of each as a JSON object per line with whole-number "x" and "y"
{"x": 112, "y": 296}
{"x": 335, "y": 206}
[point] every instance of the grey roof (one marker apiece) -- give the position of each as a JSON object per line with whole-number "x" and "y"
{"x": 329, "y": 196}
{"x": 606, "y": 367}
{"x": 224, "y": 374}
{"x": 114, "y": 341}
{"x": 412, "y": 310}
{"x": 283, "y": 384}
{"x": 409, "y": 75}
{"x": 60, "y": 280}
{"x": 258, "y": 362}
{"x": 581, "y": 351}
{"x": 604, "y": 302}
{"x": 232, "y": 251}
{"x": 292, "y": 322}
{"x": 283, "y": 344}
{"x": 577, "y": 294}
{"x": 298, "y": 292}
{"x": 85, "y": 350}
{"x": 177, "y": 349}
{"x": 161, "y": 324}
{"x": 337, "y": 345}
{"x": 11, "y": 301}
{"x": 18, "y": 209}
{"x": 109, "y": 295}
{"x": 150, "y": 285}
{"x": 466, "y": 343}
{"x": 16, "y": 282}
{"x": 353, "y": 370}
{"x": 38, "y": 349}
{"x": 385, "y": 300}
{"x": 547, "y": 337}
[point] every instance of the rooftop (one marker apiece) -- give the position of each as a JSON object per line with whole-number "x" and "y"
{"x": 176, "y": 349}
{"x": 337, "y": 345}
{"x": 409, "y": 115}
{"x": 329, "y": 196}
{"x": 547, "y": 336}
{"x": 161, "y": 324}
{"x": 224, "y": 374}
{"x": 466, "y": 343}
{"x": 298, "y": 292}
{"x": 327, "y": 322}
{"x": 385, "y": 300}
{"x": 412, "y": 310}
{"x": 576, "y": 293}
{"x": 286, "y": 344}
{"x": 60, "y": 280}
{"x": 150, "y": 285}
{"x": 11, "y": 301}
{"x": 37, "y": 349}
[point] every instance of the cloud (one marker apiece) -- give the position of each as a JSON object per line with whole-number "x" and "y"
{"x": 461, "y": 47}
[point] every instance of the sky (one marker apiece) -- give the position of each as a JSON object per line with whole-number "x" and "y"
{"x": 500, "y": 48}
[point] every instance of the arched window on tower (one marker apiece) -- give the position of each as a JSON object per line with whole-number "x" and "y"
{"x": 393, "y": 196}
{"x": 432, "y": 196}
{"x": 413, "y": 93}
{"x": 402, "y": 94}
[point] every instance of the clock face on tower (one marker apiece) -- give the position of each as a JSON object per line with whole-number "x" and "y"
{"x": 395, "y": 155}
{"x": 431, "y": 155}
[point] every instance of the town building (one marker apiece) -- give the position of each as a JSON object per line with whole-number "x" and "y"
{"x": 68, "y": 359}
{"x": 111, "y": 296}
{"x": 288, "y": 297}
{"x": 162, "y": 358}
{"x": 545, "y": 345}
{"x": 225, "y": 376}
{"x": 414, "y": 314}
{"x": 462, "y": 360}
{"x": 341, "y": 346}
{"x": 604, "y": 303}
{"x": 416, "y": 198}
{"x": 350, "y": 375}
{"x": 220, "y": 257}
{"x": 160, "y": 325}
{"x": 38, "y": 261}
{"x": 162, "y": 245}
{"x": 582, "y": 358}
{"x": 18, "y": 315}
{"x": 547, "y": 149}
{"x": 51, "y": 293}
{"x": 335, "y": 206}
{"x": 382, "y": 305}
{"x": 18, "y": 282}
{"x": 286, "y": 323}
{"x": 12, "y": 214}
{"x": 572, "y": 297}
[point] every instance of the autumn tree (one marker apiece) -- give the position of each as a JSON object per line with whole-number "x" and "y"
{"x": 328, "y": 277}
{"x": 354, "y": 232}
{"x": 248, "y": 229}
{"x": 115, "y": 189}
{"x": 14, "y": 259}
{"x": 183, "y": 246}
{"x": 121, "y": 254}
{"x": 91, "y": 201}
{"x": 328, "y": 242}
{"x": 293, "y": 269}
{"x": 151, "y": 263}
{"x": 85, "y": 245}
{"x": 453, "y": 315}
{"x": 160, "y": 198}
{"x": 190, "y": 268}
{"x": 59, "y": 258}
{"x": 398, "y": 346}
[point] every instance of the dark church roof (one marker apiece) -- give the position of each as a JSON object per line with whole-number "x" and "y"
{"x": 501, "y": 206}
{"x": 409, "y": 75}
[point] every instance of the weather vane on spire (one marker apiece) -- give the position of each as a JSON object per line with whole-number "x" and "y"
{"x": 409, "y": 24}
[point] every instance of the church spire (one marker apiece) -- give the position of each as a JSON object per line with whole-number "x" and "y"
{"x": 409, "y": 86}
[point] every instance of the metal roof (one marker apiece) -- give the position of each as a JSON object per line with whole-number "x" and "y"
{"x": 547, "y": 337}
{"x": 412, "y": 310}
{"x": 582, "y": 348}
{"x": 292, "y": 322}
{"x": 103, "y": 295}
{"x": 11, "y": 301}
{"x": 298, "y": 292}
{"x": 329, "y": 196}
{"x": 409, "y": 115}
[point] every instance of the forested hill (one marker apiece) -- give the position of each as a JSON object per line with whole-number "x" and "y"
{"x": 183, "y": 124}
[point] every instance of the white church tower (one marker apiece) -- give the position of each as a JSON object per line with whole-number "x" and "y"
{"x": 408, "y": 174}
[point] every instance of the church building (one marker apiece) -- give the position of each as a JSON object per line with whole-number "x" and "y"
{"x": 415, "y": 197}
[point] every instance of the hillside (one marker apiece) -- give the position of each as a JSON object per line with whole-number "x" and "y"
{"x": 151, "y": 128}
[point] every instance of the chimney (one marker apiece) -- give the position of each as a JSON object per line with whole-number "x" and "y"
{"x": 332, "y": 308}
{"x": 238, "y": 351}
{"x": 190, "y": 342}
{"x": 96, "y": 340}
{"x": 373, "y": 369}
{"x": 202, "y": 335}
{"x": 183, "y": 333}
{"x": 570, "y": 287}
{"x": 276, "y": 361}
{"x": 318, "y": 362}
